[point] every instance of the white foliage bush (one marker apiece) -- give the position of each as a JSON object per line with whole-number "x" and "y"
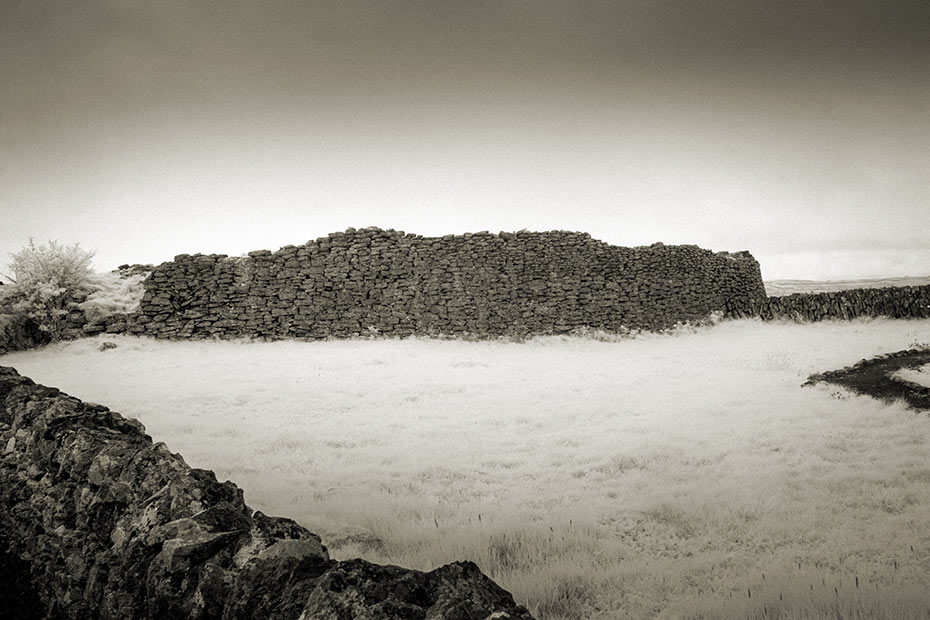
{"x": 113, "y": 294}
{"x": 47, "y": 281}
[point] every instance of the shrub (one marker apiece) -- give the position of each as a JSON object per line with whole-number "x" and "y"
{"x": 48, "y": 281}
{"x": 117, "y": 292}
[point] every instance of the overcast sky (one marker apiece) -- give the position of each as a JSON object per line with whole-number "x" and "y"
{"x": 799, "y": 131}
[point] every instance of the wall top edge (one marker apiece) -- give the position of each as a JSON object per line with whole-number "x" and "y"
{"x": 355, "y": 234}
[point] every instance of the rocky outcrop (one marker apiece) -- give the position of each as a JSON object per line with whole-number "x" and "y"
{"x": 875, "y": 377}
{"x": 386, "y": 282}
{"x": 107, "y": 524}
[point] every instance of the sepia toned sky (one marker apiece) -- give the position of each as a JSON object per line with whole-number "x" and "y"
{"x": 799, "y": 130}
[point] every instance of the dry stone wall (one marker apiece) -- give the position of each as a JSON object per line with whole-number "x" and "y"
{"x": 96, "y": 521}
{"x": 387, "y": 282}
{"x": 893, "y": 302}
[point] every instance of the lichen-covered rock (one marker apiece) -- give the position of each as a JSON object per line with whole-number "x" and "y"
{"x": 111, "y": 525}
{"x": 18, "y": 597}
{"x": 363, "y": 591}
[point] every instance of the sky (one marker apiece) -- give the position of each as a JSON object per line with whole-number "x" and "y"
{"x": 799, "y": 130}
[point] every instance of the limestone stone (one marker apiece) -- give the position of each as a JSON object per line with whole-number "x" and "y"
{"x": 388, "y": 281}
{"x": 97, "y": 521}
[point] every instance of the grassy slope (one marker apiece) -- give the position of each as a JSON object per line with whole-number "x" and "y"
{"x": 655, "y": 476}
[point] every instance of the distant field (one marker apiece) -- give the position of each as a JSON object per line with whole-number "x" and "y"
{"x": 676, "y": 475}
{"x": 779, "y": 288}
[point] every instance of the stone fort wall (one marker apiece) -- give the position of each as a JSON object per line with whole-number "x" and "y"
{"x": 386, "y": 282}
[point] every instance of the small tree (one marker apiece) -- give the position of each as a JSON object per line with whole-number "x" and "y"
{"x": 47, "y": 281}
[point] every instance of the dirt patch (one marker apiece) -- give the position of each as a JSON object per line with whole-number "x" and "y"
{"x": 874, "y": 377}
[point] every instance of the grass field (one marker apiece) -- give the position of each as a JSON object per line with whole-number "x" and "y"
{"x": 673, "y": 475}
{"x": 920, "y": 376}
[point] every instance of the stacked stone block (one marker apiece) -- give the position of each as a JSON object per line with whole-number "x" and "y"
{"x": 893, "y": 302}
{"x": 374, "y": 281}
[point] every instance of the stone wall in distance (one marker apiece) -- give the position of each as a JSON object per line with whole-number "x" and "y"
{"x": 899, "y": 302}
{"x": 387, "y": 282}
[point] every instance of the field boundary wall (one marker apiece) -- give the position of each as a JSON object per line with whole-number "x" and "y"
{"x": 893, "y": 302}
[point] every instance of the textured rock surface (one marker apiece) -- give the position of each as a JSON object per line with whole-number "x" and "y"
{"x": 893, "y": 302}
{"x": 18, "y": 332}
{"x": 111, "y": 525}
{"x": 376, "y": 281}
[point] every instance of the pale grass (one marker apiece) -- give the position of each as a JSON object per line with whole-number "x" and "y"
{"x": 112, "y": 294}
{"x": 920, "y": 376}
{"x": 651, "y": 476}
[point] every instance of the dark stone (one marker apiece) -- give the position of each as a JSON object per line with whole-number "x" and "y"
{"x": 19, "y": 332}
{"x": 873, "y": 378}
{"x": 892, "y": 302}
{"x": 359, "y": 589}
{"x": 99, "y": 522}
{"x": 516, "y": 284}
{"x": 18, "y": 597}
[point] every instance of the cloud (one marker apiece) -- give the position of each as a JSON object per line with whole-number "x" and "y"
{"x": 736, "y": 125}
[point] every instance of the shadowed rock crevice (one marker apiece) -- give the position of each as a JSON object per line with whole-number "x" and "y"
{"x": 873, "y": 377}
{"x": 100, "y": 522}
{"x": 19, "y": 598}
